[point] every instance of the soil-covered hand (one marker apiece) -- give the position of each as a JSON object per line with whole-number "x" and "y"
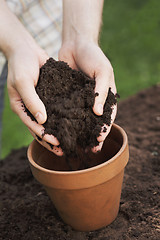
{"x": 88, "y": 57}
{"x": 23, "y": 72}
{"x": 25, "y": 58}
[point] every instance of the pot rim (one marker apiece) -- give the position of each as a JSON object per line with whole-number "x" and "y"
{"x": 108, "y": 162}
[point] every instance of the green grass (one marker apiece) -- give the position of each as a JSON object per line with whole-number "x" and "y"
{"x": 131, "y": 39}
{"x": 15, "y": 134}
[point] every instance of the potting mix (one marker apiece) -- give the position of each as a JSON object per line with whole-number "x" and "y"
{"x": 69, "y": 96}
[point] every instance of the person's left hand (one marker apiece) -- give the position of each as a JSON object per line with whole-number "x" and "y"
{"x": 88, "y": 57}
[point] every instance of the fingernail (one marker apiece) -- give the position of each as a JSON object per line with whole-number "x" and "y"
{"x": 100, "y": 109}
{"x": 39, "y": 117}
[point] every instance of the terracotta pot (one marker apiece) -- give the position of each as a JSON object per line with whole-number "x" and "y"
{"x": 86, "y": 199}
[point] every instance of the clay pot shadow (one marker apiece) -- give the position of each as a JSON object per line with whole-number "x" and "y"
{"x": 86, "y": 199}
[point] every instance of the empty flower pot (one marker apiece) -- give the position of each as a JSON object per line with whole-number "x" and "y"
{"x": 86, "y": 199}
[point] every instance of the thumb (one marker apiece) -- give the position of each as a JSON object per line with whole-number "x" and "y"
{"x": 32, "y": 101}
{"x": 101, "y": 91}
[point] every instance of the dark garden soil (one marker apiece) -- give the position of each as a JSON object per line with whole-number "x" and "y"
{"x": 68, "y": 96}
{"x": 27, "y": 213}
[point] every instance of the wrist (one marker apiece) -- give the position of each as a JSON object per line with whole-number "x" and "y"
{"x": 20, "y": 40}
{"x": 81, "y": 19}
{"x": 78, "y": 42}
{"x": 77, "y": 38}
{"x": 74, "y": 35}
{"x": 13, "y": 34}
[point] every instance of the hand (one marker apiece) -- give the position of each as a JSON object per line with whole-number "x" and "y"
{"x": 24, "y": 63}
{"x": 25, "y": 58}
{"x": 88, "y": 57}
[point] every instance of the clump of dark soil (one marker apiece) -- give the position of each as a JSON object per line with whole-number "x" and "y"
{"x": 27, "y": 213}
{"x": 68, "y": 96}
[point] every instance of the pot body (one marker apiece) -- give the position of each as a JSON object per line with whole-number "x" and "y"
{"x": 90, "y": 208}
{"x": 87, "y": 199}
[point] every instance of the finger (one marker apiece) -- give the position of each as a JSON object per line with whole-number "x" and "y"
{"x": 31, "y": 100}
{"x": 18, "y": 107}
{"x": 57, "y": 150}
{"x": 103, "y": 80}
{"x": 38, "y": 129}
{"x": 51, "y": 139}
{"x": 106, "y": 129}
{"x": 104, "y": 132}
{"x": 97, "y": 148}
{"x": 102, "y": 86}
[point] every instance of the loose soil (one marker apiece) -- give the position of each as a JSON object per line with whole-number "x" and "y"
{"x": 26, "y": 212}
{"x": 68, "y": 96}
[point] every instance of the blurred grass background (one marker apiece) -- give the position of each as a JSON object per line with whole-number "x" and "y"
{"x": 130, "y": 38}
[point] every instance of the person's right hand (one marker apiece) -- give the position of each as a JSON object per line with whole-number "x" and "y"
{"x": 24, "y": 63}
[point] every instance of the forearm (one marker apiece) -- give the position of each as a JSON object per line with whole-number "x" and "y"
{"x": 12, "y": 31}
{"x": 81, "y": 19}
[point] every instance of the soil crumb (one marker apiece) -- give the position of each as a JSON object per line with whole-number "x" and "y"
{"x": 69, "y": 96}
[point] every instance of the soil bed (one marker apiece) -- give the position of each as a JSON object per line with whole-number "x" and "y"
{"x": 27, "y": 213}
